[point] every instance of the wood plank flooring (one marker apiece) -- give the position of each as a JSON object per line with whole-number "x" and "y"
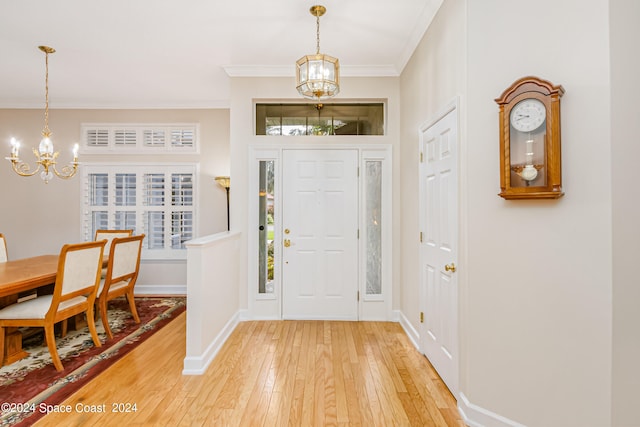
{"x": 273, "y": 373}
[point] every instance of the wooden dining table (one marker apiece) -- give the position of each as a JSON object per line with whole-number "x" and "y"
{"x": 20, "y": 276}
{"x": 23, "y": 275}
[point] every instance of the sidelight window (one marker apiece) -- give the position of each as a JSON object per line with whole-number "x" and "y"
{"x": 373, "y": 225}
{"x": 266, "y": 229}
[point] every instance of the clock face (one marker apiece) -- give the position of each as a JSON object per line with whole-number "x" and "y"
{"x": 528, "y": 115}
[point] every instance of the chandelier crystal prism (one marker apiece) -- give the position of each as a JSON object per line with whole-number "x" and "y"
{"x": 318, "y": 76}
{"x": 45, "y": 155}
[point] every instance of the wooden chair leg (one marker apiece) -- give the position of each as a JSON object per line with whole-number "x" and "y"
{"x": 64, "y": 327}
{"x": 2, "y": 345}
{"x": 103, "y": 315}
{"x": 92, "y": 326}
{"x": 132, "y": 306}
{"x": 51, "y": 344}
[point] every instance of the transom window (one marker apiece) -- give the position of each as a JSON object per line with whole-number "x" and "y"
{"x": 320, "y": 119}
{"x": 157, "y": 200}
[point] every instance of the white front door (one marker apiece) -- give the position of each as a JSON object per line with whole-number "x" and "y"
{"x": 439, "y": 225}
{"x": 320, "y": 240}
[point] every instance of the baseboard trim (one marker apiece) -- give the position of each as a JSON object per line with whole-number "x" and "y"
{"x": 411, "y": 332}
{"x": 261, "y": 318}
{"x": 161, "y": 290}
{"x": 197, "y": 365}
{"x": 475, "y": 416}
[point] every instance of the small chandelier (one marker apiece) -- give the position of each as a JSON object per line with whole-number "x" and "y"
{"x": 46, "y": 157}
{"x": 318, "y": 76}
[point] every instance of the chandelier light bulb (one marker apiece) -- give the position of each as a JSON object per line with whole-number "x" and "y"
{"x": 46, "y": 146}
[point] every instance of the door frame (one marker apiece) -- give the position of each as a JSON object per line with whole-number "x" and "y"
{"x": 453, "y": 105}
{"x": 269, "y": 306}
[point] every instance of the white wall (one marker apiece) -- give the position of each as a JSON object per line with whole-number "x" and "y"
{"x": 434, "y": 76}
{"x": 535, "y": 278}
{"x": 212, "y": 299}
{"x": 625, "y": 141}
{"x": 39, "y": 218}
{"x": 539, "y": 292}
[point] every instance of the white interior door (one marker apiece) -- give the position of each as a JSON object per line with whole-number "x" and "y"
{"x": 439, "y": 224}
{"x": 320, "y": 241}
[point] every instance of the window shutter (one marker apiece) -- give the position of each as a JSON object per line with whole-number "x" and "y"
{"x": 154, "y": 229}
{"x": 125, "y": 220}
{"x": 86, "y": 195}
{"x": 154, "y": 219}
{"x": 181, "y": 220}
{"x": 154, "y": 189}
{"x": 125, "y": 137}
{"x": 97, "y": 138}
{"x": 181, "y": 228}
{"x": 99, "y": 189}
{"x": 154, "y": 138}
{"x": 181, "y": 189}
{"x": 125, "y": 189}
{"x": 182, "y": 138}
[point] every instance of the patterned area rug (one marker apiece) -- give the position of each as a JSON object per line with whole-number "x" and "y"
{"x": 29, "y": 385}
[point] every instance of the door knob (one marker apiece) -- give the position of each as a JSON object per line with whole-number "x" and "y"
{"x": 450, "y": 267}
{"x": 287, "y": 243}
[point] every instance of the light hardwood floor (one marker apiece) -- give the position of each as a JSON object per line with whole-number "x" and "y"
{"x": 273, "y": 373}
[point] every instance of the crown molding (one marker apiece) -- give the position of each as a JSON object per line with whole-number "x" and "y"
{"x": 18, "y": 104}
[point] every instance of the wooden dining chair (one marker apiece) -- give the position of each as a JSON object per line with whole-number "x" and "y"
{"x": 75, "y": 290}
{"x": 121, "y": 277}
{"x": 109, "y": 235}
{"x": 3, "y": 249}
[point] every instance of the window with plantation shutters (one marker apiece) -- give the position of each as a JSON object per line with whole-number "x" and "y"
{"x": 139, "y": 138}
{"x": 155, "y": 199}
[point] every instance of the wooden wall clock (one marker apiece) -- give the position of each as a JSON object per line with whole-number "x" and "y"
{"x": 530, "y": 161}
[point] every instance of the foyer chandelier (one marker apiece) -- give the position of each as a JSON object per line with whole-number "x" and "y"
{"x": 45, "y": 156}
{"x": 318, "y": 76}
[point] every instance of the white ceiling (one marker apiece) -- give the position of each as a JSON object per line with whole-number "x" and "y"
{"x": 180, "y": 53}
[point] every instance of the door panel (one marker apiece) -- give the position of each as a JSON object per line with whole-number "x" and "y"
{"x": 320, "y": 210}
{"x": 439, "y": 221}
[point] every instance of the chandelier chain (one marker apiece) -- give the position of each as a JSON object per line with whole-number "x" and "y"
{"x": 46, "y": 130}
{"x": 317, "y": 33}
